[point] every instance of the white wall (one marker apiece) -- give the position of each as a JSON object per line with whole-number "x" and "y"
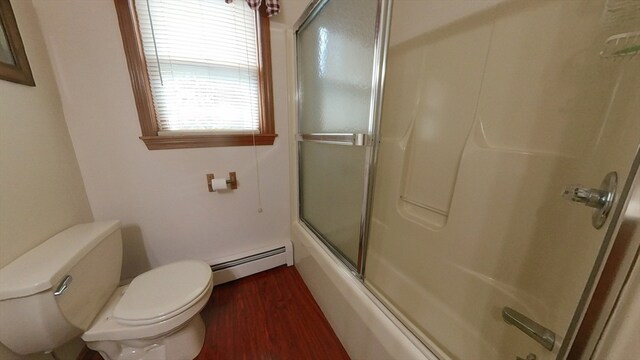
{"x": 160, "y": 196}
{"x": 41, "y": 191}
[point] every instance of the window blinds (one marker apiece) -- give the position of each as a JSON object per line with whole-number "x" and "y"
{"x": 203, "y": 64}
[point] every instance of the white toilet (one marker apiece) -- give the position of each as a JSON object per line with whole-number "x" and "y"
{"x": 68, "y": 286}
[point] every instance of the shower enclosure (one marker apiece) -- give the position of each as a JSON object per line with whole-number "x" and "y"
{"x": 457, "y": 188}
{"x": 343, "y": 44}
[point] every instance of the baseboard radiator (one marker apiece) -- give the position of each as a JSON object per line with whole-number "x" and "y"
{"x": 249, "y": 263}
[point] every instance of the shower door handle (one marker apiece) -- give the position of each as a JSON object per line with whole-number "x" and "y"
{"x": 537, "y": 332}
{"x": 337, "y": 138}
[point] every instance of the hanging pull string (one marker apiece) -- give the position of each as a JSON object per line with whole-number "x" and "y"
{"x": 255, "y": 156}
{"x": 155, "y": 45}
{"x": 253, "y": 131}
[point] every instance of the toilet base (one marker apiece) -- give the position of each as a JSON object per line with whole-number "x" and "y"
{"x": 184, "y": 344}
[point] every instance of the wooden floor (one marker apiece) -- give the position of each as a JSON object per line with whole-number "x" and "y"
{"x": 267, "y": 316}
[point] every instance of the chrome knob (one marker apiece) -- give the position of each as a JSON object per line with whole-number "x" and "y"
{"x": 600, "y": 199}
{"x": 594, "y": 198}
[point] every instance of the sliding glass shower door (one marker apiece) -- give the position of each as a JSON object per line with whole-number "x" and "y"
{"x": 479, "y": 242}
{"x": 340, "y": 49}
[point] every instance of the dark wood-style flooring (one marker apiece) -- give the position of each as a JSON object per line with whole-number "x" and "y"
{"x": 266, "y": 316}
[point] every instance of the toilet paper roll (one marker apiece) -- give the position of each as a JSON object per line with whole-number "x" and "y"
{"x": 219, "y": 184}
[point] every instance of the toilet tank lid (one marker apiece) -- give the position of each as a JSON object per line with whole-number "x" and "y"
{"x": 42, "y": 267}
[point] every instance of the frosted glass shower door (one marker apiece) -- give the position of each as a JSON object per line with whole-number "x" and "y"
{"x": 339, "y": 51}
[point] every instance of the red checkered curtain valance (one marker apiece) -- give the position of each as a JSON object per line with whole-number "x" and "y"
{"x": 273, "y": 6}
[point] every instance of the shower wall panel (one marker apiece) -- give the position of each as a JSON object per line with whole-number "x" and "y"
{"x": 444, "y": 109}
{"x": 485, "y": 120}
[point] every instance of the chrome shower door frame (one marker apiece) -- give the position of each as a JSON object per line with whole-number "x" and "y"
{"x": 609, "y": 274}
{"x": 370, "y": 140}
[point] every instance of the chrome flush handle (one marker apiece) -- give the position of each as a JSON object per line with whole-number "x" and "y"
{"x": 601, "y": 200}
{"x": 63, "y": 285}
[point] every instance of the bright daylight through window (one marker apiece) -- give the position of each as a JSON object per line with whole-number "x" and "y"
{"x": 202, "y": 77}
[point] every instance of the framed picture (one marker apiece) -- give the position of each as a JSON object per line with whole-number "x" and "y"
{"x": 14, "y": 65}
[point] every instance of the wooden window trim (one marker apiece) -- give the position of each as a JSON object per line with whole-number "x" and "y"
{"x": 132, "y": 41}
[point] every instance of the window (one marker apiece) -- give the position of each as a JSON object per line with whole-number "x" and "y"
{"x": 200, "y": 72}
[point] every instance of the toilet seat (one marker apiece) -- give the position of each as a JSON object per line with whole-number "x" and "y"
{"x": 107, "y": 328}
{"x": 162, "y": 293}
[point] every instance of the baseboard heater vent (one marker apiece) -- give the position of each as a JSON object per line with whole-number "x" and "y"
{"x": 251, "y": 263}
{"x": 246, "y": 259}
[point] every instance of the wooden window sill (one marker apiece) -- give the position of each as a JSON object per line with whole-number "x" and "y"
{"x": 210, "y": 140}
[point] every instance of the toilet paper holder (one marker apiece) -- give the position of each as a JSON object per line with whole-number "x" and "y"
{"x": 232, "y": 181}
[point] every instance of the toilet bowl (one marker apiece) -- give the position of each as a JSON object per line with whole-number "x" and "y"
{"x": 67, "y": 287}
{"x": 152, "y": 315}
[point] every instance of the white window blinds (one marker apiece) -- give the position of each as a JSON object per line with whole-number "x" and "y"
{"x": 202, "y": 61}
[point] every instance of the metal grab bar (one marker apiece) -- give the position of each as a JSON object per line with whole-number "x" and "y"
{"x": 337, "y": 138}
{"x": 535, "y": 331}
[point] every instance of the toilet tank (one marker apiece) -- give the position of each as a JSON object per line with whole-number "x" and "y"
{"x": 37, "y": 312}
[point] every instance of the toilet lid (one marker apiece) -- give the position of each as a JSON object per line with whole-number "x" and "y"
{"x": 162, "y": 292}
